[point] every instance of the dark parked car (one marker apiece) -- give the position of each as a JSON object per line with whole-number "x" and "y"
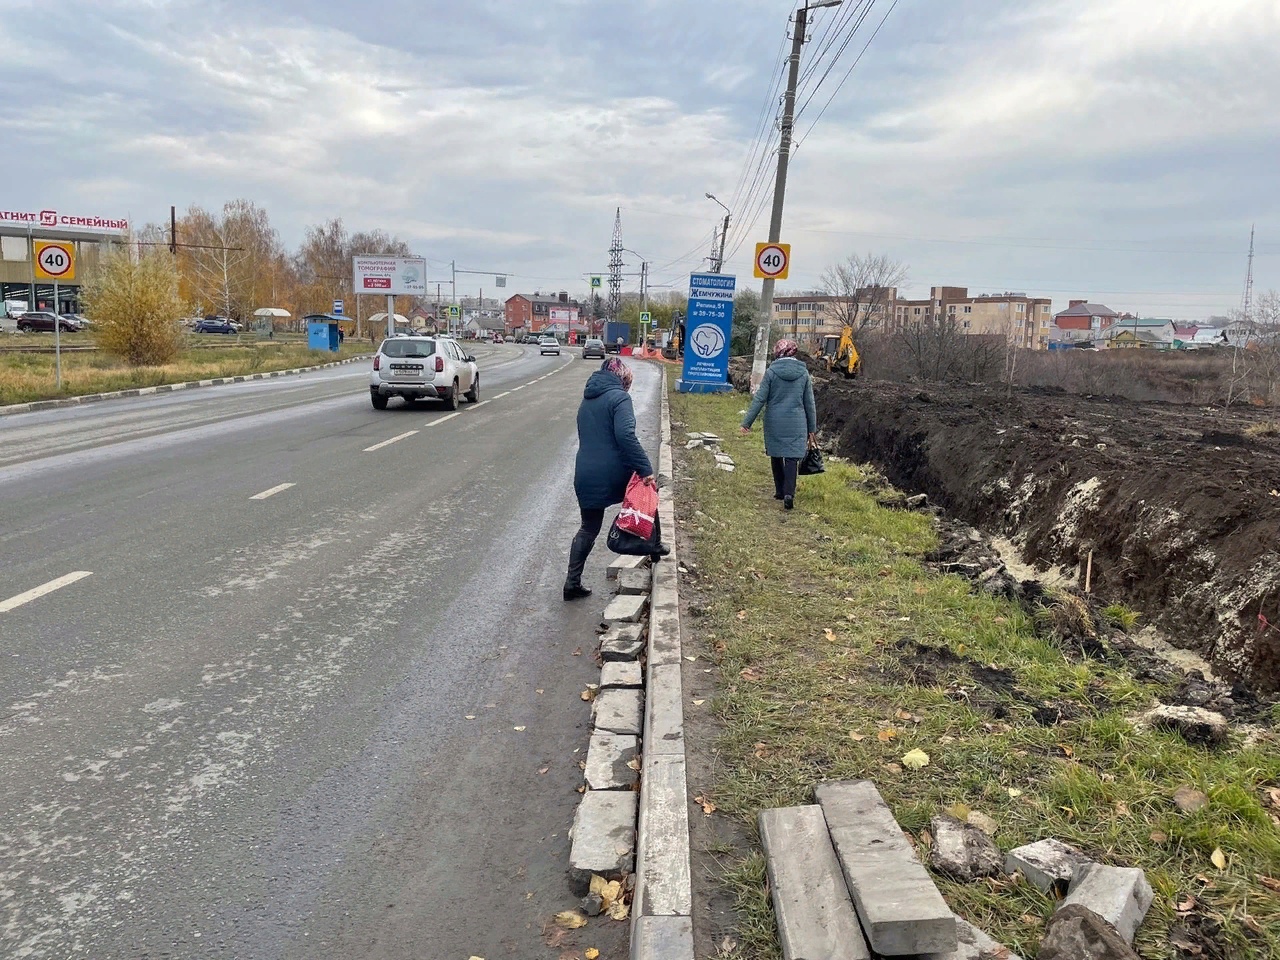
{"x": 216, "y": 325}
{"x": 42, "y": 320}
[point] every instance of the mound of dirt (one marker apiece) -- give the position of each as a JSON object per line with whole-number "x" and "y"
{"x": 1179, "y": 506}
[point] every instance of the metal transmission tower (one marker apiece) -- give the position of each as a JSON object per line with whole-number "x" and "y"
{"x": 615, "y": 268}
{"x": 1246, "y": 302}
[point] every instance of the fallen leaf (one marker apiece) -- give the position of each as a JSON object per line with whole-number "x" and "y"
{"x": 543, "y": 771}
{"x": 1122, "y": 808}
{"x": 570, "y": 919}
{"x": 634, "y": 763}
{"x": 1187, "y": 904}
{"x": 1159, "y": 836}
{"x": 1269, "y": 882}
{"x": 1273, "y": 796}
{"x": 540, "y": 691}
{"x": 887, "y": 734}
{"x": 915, "y": 759}
{"x": 829, "y": 634}
{"x": 857, "y": 737}
{"x": 591, "y": 953}
{"x": 619, "y": 910}
{"x": 518, "y": 729}
{"x": 1069, "y": 811}
{"x": 707, "y": 806}
{"x": 926, "y": 839}
{"x": 752, "y": 673}
{"x": 960, "y": 811}
{"x": 698, "y": 703}
{"x": 1030, "y": 919}
{"x": 1066, "y": 750}
{"x": 903, "y": 715}
{"x": 742, "y": 614}
{"x": 1218, "y": 858}
{"x": 691, "y": 659}
{"x": 961, "y": 649}
{"x": 578, "y": 652}
{"x": 892, "y": 768}
{"x": 762, "y": 750}
{"x": 590, "y": 693}
{"x": 1014, "y": 792}
{"x": 469, "y": 716}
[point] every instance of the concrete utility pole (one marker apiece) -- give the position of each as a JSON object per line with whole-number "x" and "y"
{"x": 718, "y": 263}
{"x": 761, "y": 358}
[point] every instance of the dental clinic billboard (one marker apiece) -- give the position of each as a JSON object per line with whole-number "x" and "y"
{"x": 708, "y": 331}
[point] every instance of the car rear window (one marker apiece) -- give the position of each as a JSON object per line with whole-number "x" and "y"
{"x": 408, "y": 348}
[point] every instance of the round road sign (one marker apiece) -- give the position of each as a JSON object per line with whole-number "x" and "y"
{"x": 773, "y": 260}
{"x": 55, "y": 261}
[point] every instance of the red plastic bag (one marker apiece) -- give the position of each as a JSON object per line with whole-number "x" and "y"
{"x": 639, "y": 507}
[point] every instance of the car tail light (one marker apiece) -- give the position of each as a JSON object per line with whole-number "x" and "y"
{"x": 439, "y": 364}
{"x": 377, "y": 361}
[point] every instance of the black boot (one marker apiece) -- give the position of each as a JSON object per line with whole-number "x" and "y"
{"x": 660, "y": 551}
{"x": 575, "y": 591}
{"x": 788, "y": 502}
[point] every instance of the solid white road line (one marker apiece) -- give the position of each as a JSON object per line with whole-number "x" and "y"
{"x": 432, "y": 423}
{"x": 500, "y": 396}
{"x": 272, "y": 492}
{"x": 37, "y": 592}
{"x": 384, "y": 443}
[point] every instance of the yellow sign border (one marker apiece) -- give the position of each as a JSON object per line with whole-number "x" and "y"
{"x": 67, "y": 247}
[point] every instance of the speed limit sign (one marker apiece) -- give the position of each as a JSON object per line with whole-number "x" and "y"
{"x": 773, "y": 261}
{"x": 55, "y": 261}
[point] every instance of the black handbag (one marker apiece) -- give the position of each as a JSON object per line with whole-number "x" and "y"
{"x": 812, "y": 463}
{"x": 629, "y": 545}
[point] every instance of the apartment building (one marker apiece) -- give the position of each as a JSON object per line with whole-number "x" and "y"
{"x": 809, "y": 317}
{"x": 1020, "y": 318}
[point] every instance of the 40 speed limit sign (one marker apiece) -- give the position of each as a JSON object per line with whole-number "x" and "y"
{"x": 55, "y": 261}
{"x": 773, "y": 261}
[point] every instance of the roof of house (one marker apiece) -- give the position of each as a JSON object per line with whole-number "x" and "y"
{"x": 1139, "y": 323}
{"x": 1073, "y": 322}
{"x": 1087, "y": 310}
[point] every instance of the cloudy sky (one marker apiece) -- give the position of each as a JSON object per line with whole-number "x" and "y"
{"x": 1115, "y": 149}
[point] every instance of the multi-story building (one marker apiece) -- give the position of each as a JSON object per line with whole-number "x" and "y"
{"x": 1081, "y": 321}
{"x": 1019, "y": 318}
{"x": 809, "y": 317}
{"x": 535, "y": 312}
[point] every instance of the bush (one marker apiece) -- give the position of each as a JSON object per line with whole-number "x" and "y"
{"x": 134, "y": 305}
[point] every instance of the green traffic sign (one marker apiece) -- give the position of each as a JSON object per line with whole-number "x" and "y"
{"x": 646, "y": 317}
{"x": 595, "y": 282}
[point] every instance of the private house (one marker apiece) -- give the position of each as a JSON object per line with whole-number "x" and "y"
{"x": 1081, "y": 321}
{"x": 1149, "y": 332}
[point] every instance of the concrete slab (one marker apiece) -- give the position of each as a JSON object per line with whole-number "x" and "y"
{"x": 815, "y": 915}
{"x": 626, "y": 609}
{"x": 663, "y": 880}
{"x": 618, "y": 711}
{"x": 974, "y": 945}
{"x": 664, "y": 720}
{"x": 901, "y": 910}
{"x": 607, "y": 757}
{"x": 604, "y": 837}
{"x": 662, "y": 938}
{"x": 621, "y": 643}
{"x": 621, "y": 674}
{"x": 635, "y": 581}
{"x": 624, "y": 563}
{"x": 1119, "y": 895}
{"x": 1047, "y": 864}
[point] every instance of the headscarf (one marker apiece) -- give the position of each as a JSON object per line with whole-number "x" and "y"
{"x": 785, "y": 348}
{"x": 619, "y": 369}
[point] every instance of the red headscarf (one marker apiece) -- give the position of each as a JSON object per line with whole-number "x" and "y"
{"x": 619, "y": 369}
{"x": 785, "y": 348}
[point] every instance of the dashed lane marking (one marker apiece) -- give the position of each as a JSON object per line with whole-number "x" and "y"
{"x": 36, "y": 592}
{"x": 272, "y": 492}
{"x": 448, "y": 416}
{"x": 386, "y": 443}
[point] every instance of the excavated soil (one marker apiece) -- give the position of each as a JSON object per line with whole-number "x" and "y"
{"x": 1178, "y": 504}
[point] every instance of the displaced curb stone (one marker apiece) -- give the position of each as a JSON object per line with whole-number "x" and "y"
{"x": 623, "y": 563}
{"x": 618, "y": 711}
{"x": 962, "y": 850}
{"x": 1075, "y": 933}
{"x": 1047, "y": 864}
{"x": 621, "y": 674}
{"x": 1119, "y": 895}
{"x": 621, "y": 643}
{"x": 664, "y": 885}
{"x": 626, "y": 608}
{"x": 901, "y": 910}
{"x": 815, "y": 916}
{"x": 607, "y": 759}
{"x": 604, "y": 837}
{"x": 974, "y": 945}
{"x": 634, "y": 581}
{"x": 662, "y": 938}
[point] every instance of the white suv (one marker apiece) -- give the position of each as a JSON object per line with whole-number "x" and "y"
{"x": 423, "y": 368}
{"x": 547, "y": 345}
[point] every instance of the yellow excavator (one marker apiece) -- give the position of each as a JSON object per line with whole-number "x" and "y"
{"x": 839, "y": 354}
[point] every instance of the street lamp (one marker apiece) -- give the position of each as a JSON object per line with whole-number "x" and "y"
{"x": 724, "y": 232}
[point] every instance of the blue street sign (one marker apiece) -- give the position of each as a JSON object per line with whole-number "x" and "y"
{"x": 337, "y": 308}
{"x": 709, "y": 329}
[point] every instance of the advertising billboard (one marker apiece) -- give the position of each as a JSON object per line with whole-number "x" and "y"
{"x": 389, "y": 275}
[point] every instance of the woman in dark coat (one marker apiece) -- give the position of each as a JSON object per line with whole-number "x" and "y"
{"x": 790, "y": 418}
{"x": 608, "y": 454}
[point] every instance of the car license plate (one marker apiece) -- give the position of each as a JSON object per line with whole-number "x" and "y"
{"x": 408, "y": 367}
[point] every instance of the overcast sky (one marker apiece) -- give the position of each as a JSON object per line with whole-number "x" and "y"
{"x": 1112, "y": 149}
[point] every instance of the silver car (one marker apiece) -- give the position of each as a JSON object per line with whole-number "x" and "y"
{"x": 548, "y": 345}
{"x": 593, "y": 349}
{"x": 423, "y": 368}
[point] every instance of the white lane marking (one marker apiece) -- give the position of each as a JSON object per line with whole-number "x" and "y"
{"x": 384, "y": 443}
{"x": 500, "y": 396}
{"x": 521, "y": 387}
{"x": 37, "y": 592}
{"x": 480, "y": 404}
{"x": 449, "y": 416}
{"x": 272, "y": 492}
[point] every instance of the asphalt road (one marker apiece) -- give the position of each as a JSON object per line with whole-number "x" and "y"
{"x": 342, "y": 720}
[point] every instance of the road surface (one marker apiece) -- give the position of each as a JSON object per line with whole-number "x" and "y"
{"x": 286, "y": 677}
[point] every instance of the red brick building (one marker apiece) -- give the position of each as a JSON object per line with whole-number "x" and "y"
{"x": 532, "y": 312}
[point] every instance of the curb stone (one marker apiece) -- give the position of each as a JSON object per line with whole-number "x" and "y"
{"x": 35, "y": 405}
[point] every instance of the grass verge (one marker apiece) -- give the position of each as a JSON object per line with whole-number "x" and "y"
{"x": 838, "y": 651}
{"x": 30, "y": 376}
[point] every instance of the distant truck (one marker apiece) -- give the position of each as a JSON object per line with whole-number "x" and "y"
{"x": 616, "y": 331}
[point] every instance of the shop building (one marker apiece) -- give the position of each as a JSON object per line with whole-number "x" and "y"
{"x": 22, "y": 230}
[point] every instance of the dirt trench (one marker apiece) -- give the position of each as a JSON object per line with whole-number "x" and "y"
{"x": 1178, "y": 504}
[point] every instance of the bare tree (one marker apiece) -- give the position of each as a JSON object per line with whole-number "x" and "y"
{"x": 864, "y": 288}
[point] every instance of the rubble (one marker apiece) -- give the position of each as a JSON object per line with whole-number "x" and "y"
{"x": 962, "y": 850}
{"x": 1196, "y": 724}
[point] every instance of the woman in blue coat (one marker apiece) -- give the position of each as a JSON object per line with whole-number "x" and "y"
{"x": 790, "y": 418}
{"x": 608, "y": 454}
